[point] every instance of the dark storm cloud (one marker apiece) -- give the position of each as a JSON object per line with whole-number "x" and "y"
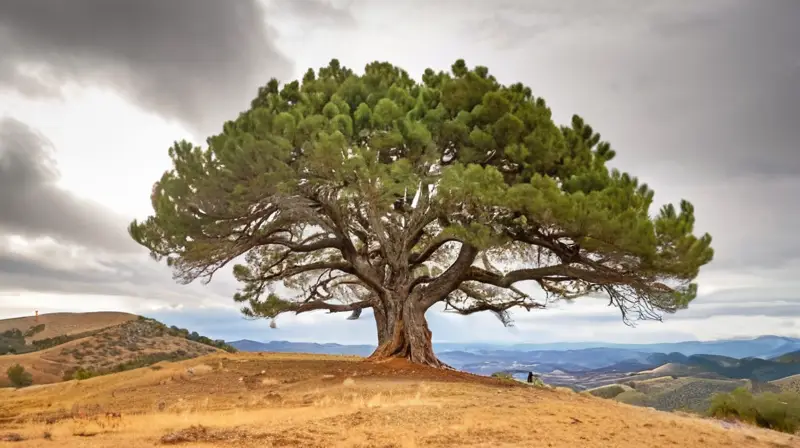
{"x": 711, "y": 87}
{"x": 199, "y": 61}
{"x": 324, "y": 12}
{"x": 32, "y": 205}
{"x": 56, "y": 272}
{"x": 92, "y": 252}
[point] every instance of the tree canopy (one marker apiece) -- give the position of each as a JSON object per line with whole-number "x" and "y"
{"x": 378, "y": 191}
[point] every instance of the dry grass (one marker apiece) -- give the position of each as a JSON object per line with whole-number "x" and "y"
{"x": 789, "y": 384}
{"x": 57, "y": 324}
{"x": 264, "y": 400}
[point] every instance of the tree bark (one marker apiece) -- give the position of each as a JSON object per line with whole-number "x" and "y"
{"x": 403, "y": 333}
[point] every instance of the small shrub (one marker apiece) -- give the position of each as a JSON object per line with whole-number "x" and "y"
{"x": 83, "y": 374}
{"x": 634, "y": 397}
{"x": 537, "y": 382}
{"x": 34, "y": 330}
{"x": 608, "y": 392}
{"x": 503, "y": 376}
{"x": 18, "y": 376}
{"x": 780, "y": 412}
{"x": 11, "y": 437}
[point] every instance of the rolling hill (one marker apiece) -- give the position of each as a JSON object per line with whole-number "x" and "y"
{"x": 134, "y": 343}
{"x": 788, "y": 357}
{"x": 487, "y": 358}
{"x": 247, "y": 345}
{"x": 317, "y": 401}
{"x": 747, "y": 368}
{"x": 762, "y": 347}
{"x": 672, "y": 394}
{"x": 65, "y": 324}
{"x": 788, "y": 384}
{"x": 93, "y": 344}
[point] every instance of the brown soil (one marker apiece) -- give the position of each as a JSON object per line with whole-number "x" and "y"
{"x": 263, "y": 400}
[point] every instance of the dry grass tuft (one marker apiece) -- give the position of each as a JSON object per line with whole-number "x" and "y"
{"x": 11, "y": 437}
{"x": 194, "y": 433}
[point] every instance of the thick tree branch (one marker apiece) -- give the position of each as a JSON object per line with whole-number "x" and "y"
{"x": 505, "y": 281}
{"x": 449, "y": 280}
{"x": 328, "y": 243}
{"x": 304, "y": 307}
{"x": 317, "y": 266}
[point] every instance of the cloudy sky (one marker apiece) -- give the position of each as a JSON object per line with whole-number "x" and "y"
{"x": 700, "y": 99}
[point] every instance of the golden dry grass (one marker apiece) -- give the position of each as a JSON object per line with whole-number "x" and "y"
{"x": 57, "y": 324}
{"x": 263, "y": 400}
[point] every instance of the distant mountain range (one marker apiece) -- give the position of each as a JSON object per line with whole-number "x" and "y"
{"x": 603, "y": 353}
{"x": 246, "y": 345}
{"x": 764, "y": 358}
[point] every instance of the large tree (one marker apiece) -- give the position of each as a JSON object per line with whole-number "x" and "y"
{"x": 378, "y": 191}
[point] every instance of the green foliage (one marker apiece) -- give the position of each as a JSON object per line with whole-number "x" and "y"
{"x": 147, "y": 360}
{"x": 13, "y": 333}
{"x": 687, "y": 394}
{"x": 43, "y": 344}
{"x": 610, "y": 391}
{"x": 34, "y": 330}
{"x": 150, "y": 359}
{"x": 18, "y": 376}
{"x": 780, "y": 412}
{"x": 503, "y": 376}
{"x": 793, "y": 357}
{"x": 351, "y": 187}
{"x": 537, "y": 382}
{"x": 184, "y": 333}
{"x": 194, "y": 336}
{"x": 633, "y": 397}
{"x": 12, "y": 342}
{"x": 83, "y": 374}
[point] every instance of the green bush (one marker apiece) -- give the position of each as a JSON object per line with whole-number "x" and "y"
{"x": 780, "y": 412}
{"x": 84, "y": 374}
{"x": 503, "y": 376}
{"x": 608, "y": 392}
{"x": 633, "y": 397}
{"x": 34, "y": 330}
{"x": 18, "y": 376}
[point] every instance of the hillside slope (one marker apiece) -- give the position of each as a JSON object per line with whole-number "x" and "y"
{"x": 788, "y": 384}
{"x": 257, "y": 400}
{"x": 114, "y": 348}
{"x": 685, "y": 394}
{"x": 789, "y": 357}
{"x": 65, "y": 324}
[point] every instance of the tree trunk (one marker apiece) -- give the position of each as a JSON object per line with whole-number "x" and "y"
{"x": 403, "y": 333}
